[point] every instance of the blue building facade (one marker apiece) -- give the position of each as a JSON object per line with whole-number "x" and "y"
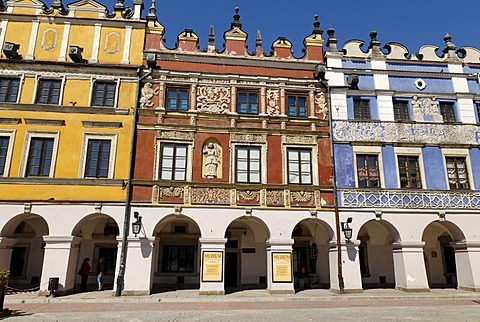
{"x": 406, "y": 136}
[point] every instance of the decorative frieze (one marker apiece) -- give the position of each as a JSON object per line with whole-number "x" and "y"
{"x": 425, "y": 133}
{"x": 275, "y": 198}
{"x": 273, "y": 96}
{"x": 321, "y": 105}
{"x": 212, "y": 196}
{"x": 148, "y": 92}
{"x": 248, "y": 138}
{"x": 409, "y": 199}
{"x": 213, "y": 99}
{"x": 176, "y": 135}
{"x": 302, "y": 140}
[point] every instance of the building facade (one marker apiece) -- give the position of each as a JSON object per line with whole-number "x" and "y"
{"x": 68, "y": 82}
{"x": 233, "y": 167}
{"x": 405, "y": 131}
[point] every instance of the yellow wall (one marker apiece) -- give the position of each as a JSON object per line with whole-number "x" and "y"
{"x": 77, "y": 90}
{"x": 136, "y": 47}
{"x": 82, "y": 36}
{"x": 19, "y": 33}
{"x": 42, "y": 54}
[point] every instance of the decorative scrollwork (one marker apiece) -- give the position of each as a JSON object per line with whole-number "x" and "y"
{"x": 321, "y": 104}
{"x": 210, "y": 196}
{"x": 272, "y": 102}
{"x": 212, "y": 99}
{"x": 302, "y": 196}
{"x": 249, "y": 195}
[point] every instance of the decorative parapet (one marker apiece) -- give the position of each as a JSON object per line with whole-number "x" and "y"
{"x": 425, "y": 133}
{"x": 414, "y": 199}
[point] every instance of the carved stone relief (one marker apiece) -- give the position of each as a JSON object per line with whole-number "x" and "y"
{"x": 213, "y": 99}
{"x": 272, "y": 102}
{"x": 302, "y": 196}
{"x": 148, "y": 92}
{"x": 176, "y": 135}
{"x": 112, "y": 42}
{"x": 248, "y": 195}
{"x": 426, "y": 109}
{"x": 248, "y": 138}
{"x": 275, "y": 198}
{"x": 210, "y": 196}
{"x": 321, "y": 104}
{"x": 49, "y": 39}
{"x": 212, "y": 156}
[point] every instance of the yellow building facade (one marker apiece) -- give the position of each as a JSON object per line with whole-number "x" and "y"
{"x": 68, "y": 85}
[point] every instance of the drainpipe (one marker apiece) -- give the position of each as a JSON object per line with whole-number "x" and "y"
{"x": 128, "y": 198}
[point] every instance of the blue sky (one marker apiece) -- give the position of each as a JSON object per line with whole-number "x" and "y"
{"x": 412, "y": 23}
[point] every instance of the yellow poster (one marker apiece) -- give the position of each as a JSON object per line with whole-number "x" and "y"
{"x": 282, "y": 267}
{"x": 212, "y": 268}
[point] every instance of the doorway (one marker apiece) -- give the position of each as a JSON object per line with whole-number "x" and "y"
{"x": 231, "y": 276}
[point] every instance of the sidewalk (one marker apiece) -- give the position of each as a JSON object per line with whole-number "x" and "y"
{"x": 243, "y": 296}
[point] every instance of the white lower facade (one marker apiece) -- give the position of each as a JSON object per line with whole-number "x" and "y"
{"x": 217, "y": 250}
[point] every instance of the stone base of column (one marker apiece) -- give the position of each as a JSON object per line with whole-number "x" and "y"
{"x": 468, "y": 289}
{"x": 347, "y": 291}
{"x": 289, "y": 292}
{"x": 135, "y": 292}
{"x": 412, "y": 289}
{"x": 212, "y": 292}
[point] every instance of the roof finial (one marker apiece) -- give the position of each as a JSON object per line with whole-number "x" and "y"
{"x": 258, "y": 41}
{"x": 449, "y": 45}
{"x": 211, "y": 36}
{"x": 236, "y": 20}
{"x": 119, "y": 5}
{"x": 374, "y": 43}
{"x": 331, "y": 41}
{"x": 316, "y": 26}
{"x": 152, "y": 11}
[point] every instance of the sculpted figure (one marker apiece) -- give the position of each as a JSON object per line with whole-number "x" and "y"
{"x": 212, "y": 160}
{"x": 148, "y": 92}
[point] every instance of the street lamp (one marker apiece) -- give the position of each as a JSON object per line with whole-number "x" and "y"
{"x": 137, "y": 225}
{"x": 347, "y": 231}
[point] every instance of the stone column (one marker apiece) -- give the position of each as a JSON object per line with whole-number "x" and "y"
{"x": 278, "y": 247}
{"x": 6, "y": 245}
{"x": 138, "y": 270}
{"x": 352, "y": 278}
{"x": 60, "y": 260}
{"x": 409, "y": 266}
{"x": 467, "y": 258}
{"x": 216, "y": 245}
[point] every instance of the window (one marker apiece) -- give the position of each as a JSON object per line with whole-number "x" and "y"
{"x": 457, "y": 172}
{"x": 48, "y": 91}
{"x": 361, "y": 109}
{"x": 248, "y": 164}
{"x": 9, "y": 89}
{"x": 109, "y": 254}
{"x": 400, "y": 110}
{"x": 299, "y": 166}
{"x": 178, "y": 258}
{"x": 477, "y": 106}
{"x": 368, "y": 173}
{"x": 4, "y": 142}
{"x": 40, "y": 157}
{"x": 447, "y": 110}
{"x": 177, "y": 99}
{"x": 409, "y": 170}
{"x": 247, "y": 103}
{"x": 297, "y": 106}
{"x": 98, "y": 158}
{"x": 103, "y": 94}
{"x": 173, "y": 161}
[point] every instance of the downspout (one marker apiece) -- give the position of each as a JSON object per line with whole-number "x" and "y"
{"x": 128, "y": 198}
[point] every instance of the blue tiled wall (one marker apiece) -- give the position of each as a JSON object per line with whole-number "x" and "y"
{"x": 390, "y": 172}
{"x": 439, "y": 85}
{"x": 344, "y": 166}
{"x": 434, "y": 168}
{"x": 373, "y": 107}
{"x": 356, "y": 64}
{"x": 475, "y": 162}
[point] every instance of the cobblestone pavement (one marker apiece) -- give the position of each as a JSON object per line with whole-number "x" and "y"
{"x": 255, "y": 305}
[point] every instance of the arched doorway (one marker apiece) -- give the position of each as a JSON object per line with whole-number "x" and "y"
{"x": 176, "y": 255}
{"x": 26, "y": 260}
{"x": 246, "y": 255}
{"x": 376, "y": 254}
{"x": 439, "y": 253}
{"x": 98, "y": 233}
{"x": 311, "y": 254}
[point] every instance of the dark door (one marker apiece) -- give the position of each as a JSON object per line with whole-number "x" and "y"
{"x": 230, "y": 269}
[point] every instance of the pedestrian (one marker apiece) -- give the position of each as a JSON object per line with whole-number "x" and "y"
{"x": 100, "y": 272}
{"x": 83, "y": 272}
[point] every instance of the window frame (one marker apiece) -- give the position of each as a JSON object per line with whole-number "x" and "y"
{"x": 105, "y": 93}
{"x": 87, "y": 137}
{"x": 177, "y": 98}
{"x": 10, "y": 79}
{"x": 477, "y": 111}
{"x": 26, "y": 151}
{"x": 38, "y": 89}
{"x": 368, "y": 179}
{"x": 299, "y": 150}
{"x": 447, "y": 113}
{"x": 8, "y": 156}
{"x": 166, "y": 259}
{"x": 412, "y": 152}
{"x": 369, "y": 150}
{"x": 249, "y": 148}
{"x": 296, "y": 106}
{"x": 188, "y": 156}
{"x": 459, "y": 153}
{"x": 361, "y": 117}
{"x": 248, "y": 104}
{"x": 401, "y": 112}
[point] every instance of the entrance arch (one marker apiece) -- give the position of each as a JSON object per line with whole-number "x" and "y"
{"x": 311, "y": 254}
{"x": 25, "y": 232}
{"x": 98, "y": 233}
{"x": 376, "y": 254}
{"x": 176, "y": 254}
{"x": 439, "y": 253}
{"x": 246, "y": 254}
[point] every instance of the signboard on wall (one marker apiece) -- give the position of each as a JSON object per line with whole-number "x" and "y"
{"x": 282, "y": 267}
{"x": 212, "y": 268}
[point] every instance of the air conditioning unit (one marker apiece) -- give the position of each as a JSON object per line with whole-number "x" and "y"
{"x": 75, "y": 54}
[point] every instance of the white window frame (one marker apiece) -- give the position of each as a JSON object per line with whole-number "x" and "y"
{"x": 113, "y": 152}
{"x": 8, "y": 159}
{"x": 26, "y": 149}
{"x": 62, "y": 78}
{"x": 370, "y": 150}
{"x": 263, "y": 162}
{"x": 313, "y": 160}
{"x": 400, "y": 151}
{"x": 20, "y": 77}
{"x": 115, "y": 80}
{"x": 158, "y": 160}
{"x": 462, "y": 153}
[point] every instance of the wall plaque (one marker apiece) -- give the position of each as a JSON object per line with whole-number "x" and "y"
{"x": 212, "y": 268}
{"x": 282, "y": 267}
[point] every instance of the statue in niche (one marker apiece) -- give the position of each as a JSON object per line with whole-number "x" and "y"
{"x": 148, "y": 92}
{"x": 212, "y": 159}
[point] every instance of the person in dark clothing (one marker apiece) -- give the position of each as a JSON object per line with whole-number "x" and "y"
{"x": 84, "y": 271}
{"x": 100, "y": 272}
